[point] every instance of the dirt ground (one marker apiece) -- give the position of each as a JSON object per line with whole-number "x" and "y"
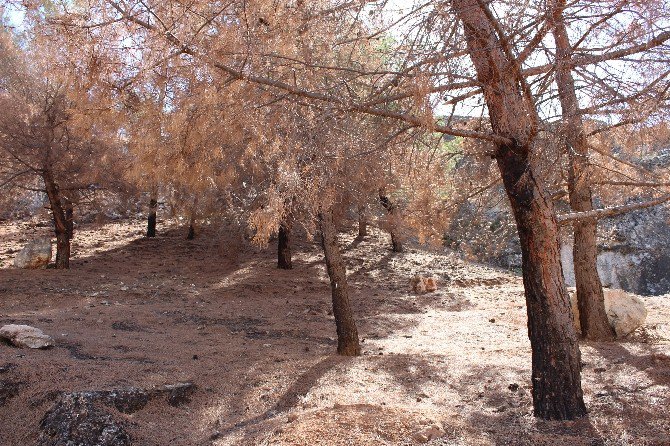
{"x": 258, "y": 342}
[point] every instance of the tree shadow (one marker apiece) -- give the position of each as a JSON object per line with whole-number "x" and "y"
{"x": 289, "y": 400}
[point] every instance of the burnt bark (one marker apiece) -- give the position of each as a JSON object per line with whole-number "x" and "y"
{"x": 556, "y": 368}
{"x": 557, "y": 391}
{"x": 396, "y": 242}
{"x": 347, "y": 333}
{"x": 284, "y": 247}
{"x": 191, "y": 226}
{"x": 590, "y": 297}
{"x": 151, "y": 219}
{"x": 62, "y": 227}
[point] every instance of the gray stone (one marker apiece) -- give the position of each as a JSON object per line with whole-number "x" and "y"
{"x": 35, "y": 254}
{"x": 25, "y": 336}
{"x": 83, "y": 418}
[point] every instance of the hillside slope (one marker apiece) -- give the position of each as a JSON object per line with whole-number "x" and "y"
{"x": 258, "y": 343}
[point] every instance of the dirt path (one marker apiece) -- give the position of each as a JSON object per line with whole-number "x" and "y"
{"x": 258, "y": 342}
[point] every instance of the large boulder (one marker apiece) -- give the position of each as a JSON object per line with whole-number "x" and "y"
{"x": 35, "y": 254}
{"x": 25, "y": 336}
{"x": 625, "y": 311}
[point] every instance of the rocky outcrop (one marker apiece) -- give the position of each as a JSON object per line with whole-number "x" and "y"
{"x": 633, "y": 252}
{"x": 25, "y": 336}
{"x": 92, "y": 417}
{"x": 35, "y": 254}
{"x": 77, "y": 420}
{"x": 625, "y": 312}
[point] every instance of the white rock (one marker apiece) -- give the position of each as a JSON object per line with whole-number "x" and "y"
{"x": 625, "y": 311}
{"x": 429, "y": 433}
{"x": 35, "y": 254}
{"x": 26, "y": 336}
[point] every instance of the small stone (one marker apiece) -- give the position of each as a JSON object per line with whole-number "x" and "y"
{"x": 292, "y": 417}
{"x": 432, "y": 432}
{"x": 25, "y": 336}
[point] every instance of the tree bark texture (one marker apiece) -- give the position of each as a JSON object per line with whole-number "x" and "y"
{"x": 590, "y": 297}
{"x": 396, "y": 242}
{"x": 556, "y": 368}
{"x": 151, "y": 220}
{"x": 284, "y": 247}
{"x": 347, "y": 333}
{"x": 62, "y": 227}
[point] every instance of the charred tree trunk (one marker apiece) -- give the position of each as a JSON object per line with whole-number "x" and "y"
{"x": 151, "y": 220}
{"x": 284, "y": 247}
{"x": 62, "y": 227}
{"x": 557, "y": 392}
{"x": 191, "y": 225}
{"x": 396, "y": 243}
{"x": 556, "y": 368}
{"x": 362, "y": 221}
{"x": 590, "y": 297}
{"x": 347, "y": 334}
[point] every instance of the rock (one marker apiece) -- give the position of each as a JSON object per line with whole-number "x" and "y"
{"x": 75, "y": 419}
{"x": 35, "y": 254}
{"x": 26, "y": 336}
{"x": 421, "y": 285}
{"x": 80, "y": 418}
{"x": 625, "y": 311}
{"x": 430, "y": 433}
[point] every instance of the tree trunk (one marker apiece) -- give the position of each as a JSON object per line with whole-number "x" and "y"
{"x": 396, "y": 242}
{"x": 590, "y": 298}
{"x": 62, "y": 227}
{"x": 557, "y": 391}
{"x": 362, "y": 221}
{"x": 347, "y": 334}
{"x": 556, "y": 368}
{"x": 69, "y": 219}
{"x": 284, "y": 247}
{"x": 151, "y": 220}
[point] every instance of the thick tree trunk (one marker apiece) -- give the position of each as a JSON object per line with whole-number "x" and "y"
{"x": 62, "y": 227}
{"x": 347, "y": 334}
{"x": 151, "y": 220}
{"x": 362, "y": 221}
{"x": 556, "y": 368}
{"x": 557, "y": 392}
{"x": 591, "y": 300}
{"x": 284, "y": 247}
{"x": 396, "y": 242}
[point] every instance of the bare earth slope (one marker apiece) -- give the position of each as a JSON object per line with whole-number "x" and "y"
{"x": 258, "y": 342}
